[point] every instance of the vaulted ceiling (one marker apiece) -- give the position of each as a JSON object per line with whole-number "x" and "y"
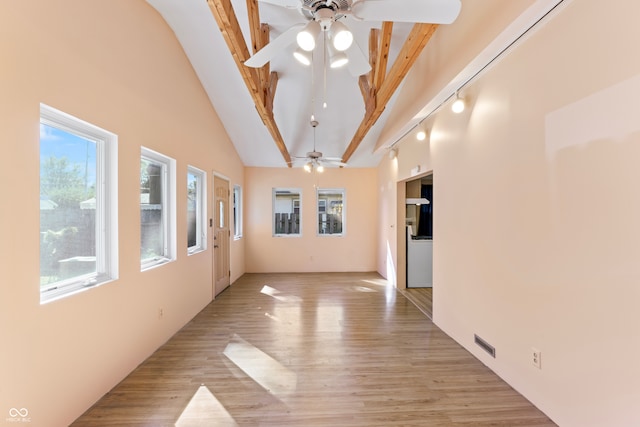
{"x": 267, "y": 111}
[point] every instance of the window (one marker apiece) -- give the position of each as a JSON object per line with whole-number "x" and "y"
{"x": 157, "y": 209}
{"x": 196, "y": 210}
{"x": 286, "y": 211}
{"x": 237, "y": 211}
{"x": 331, "y": 211}
{"x": 78, "y": 205}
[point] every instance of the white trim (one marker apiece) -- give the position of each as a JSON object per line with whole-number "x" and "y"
{"x": 201, "y": 210}
{"x": 343, "y": 192}
{"x": 238, "y": 212}
{"x": 168, "y": 207}
{"x": 106, "y": 221}
{"x": 294, "y": 192}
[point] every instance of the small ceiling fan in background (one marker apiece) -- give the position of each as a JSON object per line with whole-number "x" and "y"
{"x": 314, "y": 160}
{"x": 326, "y": 16}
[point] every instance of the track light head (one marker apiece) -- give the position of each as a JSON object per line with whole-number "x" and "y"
{"x": 458, "y": 105}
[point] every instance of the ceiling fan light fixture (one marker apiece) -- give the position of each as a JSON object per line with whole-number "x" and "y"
{"x": 338, "y": 59}
{"x": 308, "y": 167}
{"x": 302, "y": 57}
{"x": 307, "y": 37}
{"x": 320, "y": 168}
{"x": 342, "y": 37}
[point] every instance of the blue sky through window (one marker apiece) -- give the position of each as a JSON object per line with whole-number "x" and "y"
{"x": 78, "y": 150}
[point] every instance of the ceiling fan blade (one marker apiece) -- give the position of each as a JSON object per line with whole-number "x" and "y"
{"x": 339, "y": 162}
{"x": 269, "y": 51}
{"x": 427, "y": 11}
{"x": 358, "y": 63}
{"x": 289, "y": 4}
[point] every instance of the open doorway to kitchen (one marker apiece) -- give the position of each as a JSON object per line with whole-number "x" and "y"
{"x": 419, "y": 242}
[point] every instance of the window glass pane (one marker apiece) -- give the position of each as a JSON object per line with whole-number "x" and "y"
{"x": 78, "y": 205}
{"x": 196, "y": 210}
{"x": 286, "y": 211}
{"x": 192, "y": 210}
{"x": 330, "y": 211}
{"x": 221, "y": 216}
{"x": 152, "y": 185}
{"x": 67, "y": 206}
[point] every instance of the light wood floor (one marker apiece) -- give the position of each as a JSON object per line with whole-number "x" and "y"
{"x": 422, "y": 298}
{"x": 312, "y": 350}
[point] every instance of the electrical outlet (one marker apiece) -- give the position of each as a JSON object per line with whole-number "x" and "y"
{"x": 536, "y": 357}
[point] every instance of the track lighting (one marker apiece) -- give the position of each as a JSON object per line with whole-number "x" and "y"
{"x": 458, "y": 105}
{"x": 342, "y": 37}
{"x": 307, "y": 37}
{"x": 302, "y": 56}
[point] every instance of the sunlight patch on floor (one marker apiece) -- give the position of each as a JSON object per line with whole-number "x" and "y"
{"x": 205, "y": 410}
{"x": 363, "y": 288}
{"x": 280, "y": 296}
{"x": 376, "y": 282}
{"x": 261, "y": 368}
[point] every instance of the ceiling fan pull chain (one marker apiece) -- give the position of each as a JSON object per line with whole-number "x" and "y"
{"x": 313, "y": 95}
{"x": 324, "y": 69}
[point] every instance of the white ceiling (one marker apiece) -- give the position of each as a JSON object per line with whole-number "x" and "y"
{"x": 295, "y": 97}
{"x": 202, "y": 41}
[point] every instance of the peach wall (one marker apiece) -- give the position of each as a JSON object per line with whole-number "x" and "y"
{"x": 115, "y": 64}
{"x": 479, "y": 24}
{"x": 536, "y": 218}
{"x": 309, "y": 252}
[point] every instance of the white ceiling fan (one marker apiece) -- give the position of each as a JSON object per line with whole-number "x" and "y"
{"x": 326, "y": 16}
{"x": 314, "y": 160}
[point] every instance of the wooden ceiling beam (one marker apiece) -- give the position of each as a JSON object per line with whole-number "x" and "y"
{"x": 374, "y": 37}
{"x": 383, "y": 57}
{"x": 261, "y": 86}
{"x": 413, "y": 45}
{"x": 265, "y": 71}
{"x": 368, "y": 94}
{"x": 255, "y": 29}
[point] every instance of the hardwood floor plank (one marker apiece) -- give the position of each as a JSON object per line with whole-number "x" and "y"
{"x": 422, "y": 298}
{"x": 339, "y": 349}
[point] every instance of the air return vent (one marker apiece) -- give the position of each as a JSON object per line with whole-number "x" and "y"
{"x": 485, "y": 345}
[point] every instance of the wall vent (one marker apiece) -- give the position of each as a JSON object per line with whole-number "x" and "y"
{"x": 485, "y": 345}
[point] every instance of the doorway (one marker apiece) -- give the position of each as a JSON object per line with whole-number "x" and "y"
{"x": 221, "y": 235}
{"x": 419, "y": 242}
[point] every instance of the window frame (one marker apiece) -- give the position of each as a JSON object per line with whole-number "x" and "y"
{"x": 106, "y": 189}
{"x": 296, "y": 195}
{"x": 168, "y": 204}
{"x": 237, "y": 212}
{"x": 200, "y": 209}
{"x": 321, "y": 196}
